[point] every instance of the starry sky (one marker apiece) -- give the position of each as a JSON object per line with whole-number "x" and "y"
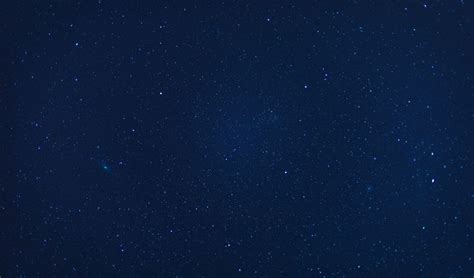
{"x": 237, "y": 138}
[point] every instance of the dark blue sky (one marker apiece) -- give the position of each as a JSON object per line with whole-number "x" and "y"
{"x": 236, "y": 139}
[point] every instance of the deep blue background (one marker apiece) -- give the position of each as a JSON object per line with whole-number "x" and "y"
{"x": 225, "y": 138}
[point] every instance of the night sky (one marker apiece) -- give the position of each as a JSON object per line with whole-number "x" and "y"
{"x": 236, "y": 138}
